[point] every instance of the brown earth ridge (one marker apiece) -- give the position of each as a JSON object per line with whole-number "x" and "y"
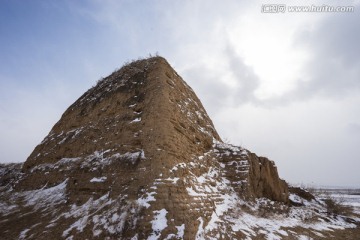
{"x": 135, "y": 157}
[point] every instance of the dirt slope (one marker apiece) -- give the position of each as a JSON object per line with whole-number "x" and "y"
{"x": 135, "y": 157}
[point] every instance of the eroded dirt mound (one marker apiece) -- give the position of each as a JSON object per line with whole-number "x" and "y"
{"x": 137, "y": 157}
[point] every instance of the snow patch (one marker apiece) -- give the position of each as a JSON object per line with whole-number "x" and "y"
{"x": 98, "y": 180}
{"x": 136, "y": 120}
{"x": 46, "y": 197}
{"x": 114, "y": 215}
{"x": 180, "y": 231}
{"x": 158, "y": 224}
{"x": 173, "y": 180}
{"x": 132, "y": 156}
{"x": 144, "y": 200}
{"x": 222, "y": 145}
{"x": 23, "y": 234}
{"x": 200, "y": 231}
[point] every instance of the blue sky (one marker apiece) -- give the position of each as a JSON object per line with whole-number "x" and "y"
{"x": 282, "y": 85}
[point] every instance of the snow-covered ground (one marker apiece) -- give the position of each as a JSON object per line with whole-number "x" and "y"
{"x": 230, "y": 215}
{"x": 344, "y": 197}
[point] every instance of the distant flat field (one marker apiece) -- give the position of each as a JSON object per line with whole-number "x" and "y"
{"x": 349, "y": 197}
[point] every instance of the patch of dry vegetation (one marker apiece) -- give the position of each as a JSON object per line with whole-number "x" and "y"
{"x": 337, "y": 207}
